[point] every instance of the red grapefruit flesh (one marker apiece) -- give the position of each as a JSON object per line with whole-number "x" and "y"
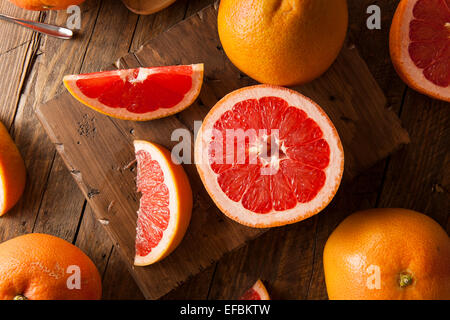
{"x": 257, "y": 292}
{"x": 252, "y": 183}
{"x": 420, "y": 46}
{"x": 165, "y": 205}
{"x": 138, "y": 94}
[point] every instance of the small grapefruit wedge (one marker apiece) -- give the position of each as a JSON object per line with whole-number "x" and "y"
{"x": 420, "y": 46}
{"x": 165, "y": 206}
{"x": 257, "y": 292}
{"x": 268, "y": 156}
{"x": 138, "y": 94}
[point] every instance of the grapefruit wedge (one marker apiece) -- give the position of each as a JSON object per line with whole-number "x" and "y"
{"x": 268, "y": 156}
{"x": 165, "y": 205}
{"x": 420, "y": 46}
{"x": 138, "y": 94}
{"x": 257, "y": 292}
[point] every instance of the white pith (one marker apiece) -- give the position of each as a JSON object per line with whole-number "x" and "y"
{"x": 235, "y": 210}
{"x": 168, "y": 234}
{"x": 407, "y": 64}
{"x": 261, "y": 290}
{"x": 197, "y": 79}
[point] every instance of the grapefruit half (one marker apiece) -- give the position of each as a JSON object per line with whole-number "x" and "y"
{"x": 12, "y": 172}
{"x": 257, "y": 292}
{"x": 284, "y": 163}
{"x": 138, "y": 94}
{"x": 165, "y": 205}
{"x": 420, "y": 46}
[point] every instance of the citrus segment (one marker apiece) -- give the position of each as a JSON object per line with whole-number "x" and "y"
{"x": 420, "y": 46}
{"x": 257, "y": 292}
{"x": 272, "y": 156}
{"x": 138, "y": 94}
{"x": 165, "y": 204}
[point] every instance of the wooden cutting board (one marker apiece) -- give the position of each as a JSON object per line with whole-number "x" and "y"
{"x": 98, "y": 149}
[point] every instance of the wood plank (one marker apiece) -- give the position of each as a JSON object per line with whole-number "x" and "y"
{"x": 418, "y": 176}
{"x": 96, "y": 243}
{"x": 100, "y": 155}
{"x": 38, "y": 210}
{"x": 151, "y": 26}
{"x": 14, "y": 51}
{"x": 17, "y": 51}
{"x": 50, "y": 187}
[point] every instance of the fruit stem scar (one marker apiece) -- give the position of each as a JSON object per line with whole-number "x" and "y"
{"x": 20, "y": 297}
{"x": 405, "y": 279}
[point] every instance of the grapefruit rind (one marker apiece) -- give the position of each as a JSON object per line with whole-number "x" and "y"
{"x": 180, "y": 203}
{"x": 260, "y": 288}
{"x": 301, "y": 211}
{"x": 399, "y": 50}
{"x": 122, "y": 113}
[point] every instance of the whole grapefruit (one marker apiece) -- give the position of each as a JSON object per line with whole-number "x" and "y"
{"x": 388, "y": 254}
{"x": 43, "y": 267}
{"x": 46, "y": 4}
{"x": 285, "y": 42}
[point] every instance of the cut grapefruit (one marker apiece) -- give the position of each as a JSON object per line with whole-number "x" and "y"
{"x": 286, "y": 172}
{"x": 257, "y": 292}
{"x": 165, "y": 206}
{"x": 420, "y": 46}
{"x": 138, "y": 94}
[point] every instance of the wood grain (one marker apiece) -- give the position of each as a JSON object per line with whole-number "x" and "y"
{"x": 97, "y": 148}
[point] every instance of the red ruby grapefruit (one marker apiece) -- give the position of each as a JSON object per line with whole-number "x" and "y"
{"x": 286, "y": 166}
{"x": 138, "y": 94}
{"x": 165, "y": 205}
{"x": 420, "y": 46}
{"x": 257, "y": 292}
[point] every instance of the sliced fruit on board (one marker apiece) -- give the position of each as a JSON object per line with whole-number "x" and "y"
{"x": 420, "y": 46}
{"x": 257, "y": 292}
{"x": 285, "y": 165}
{"x": 12, "y": 172}
{"x": 138, "y": 94}
{"x": 165, "y": 206}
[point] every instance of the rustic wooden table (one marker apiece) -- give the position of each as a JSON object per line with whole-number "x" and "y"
{"x": 289, "y": 259}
